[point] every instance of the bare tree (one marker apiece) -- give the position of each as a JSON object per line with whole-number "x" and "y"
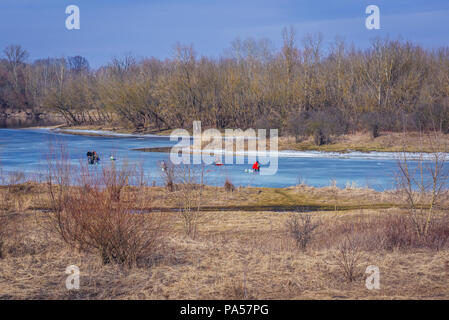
{"x": 253, "y": 86}
{"x": 422, "y": 183}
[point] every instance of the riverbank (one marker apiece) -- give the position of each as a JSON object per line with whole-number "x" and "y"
{"x": 29, "y": 117}
{"x": 360, "y": 142}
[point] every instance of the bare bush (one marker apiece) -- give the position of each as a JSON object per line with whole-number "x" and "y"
{"x": 394, "y": 232}
{"x": 399, "y": 232}
{"x": 4, "y": 224}
{"x": 301, "y": 228}
{"x": 386, "y": 231}
{"x": 348, "y": 258}
{"x": 168, "y": 175}
{"x": 8, "y": 200}
{"x": 3, "y": 220}
{"x": 320, "y": 137}
{"x": 372, "y": 122}
{"x": 296, "y": 126}
{"x": 229, "y": 186}
{"x": 189, "y": 189}
{"x": 106, "y": 211}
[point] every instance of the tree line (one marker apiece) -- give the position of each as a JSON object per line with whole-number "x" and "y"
{"x": 302, "y": 88}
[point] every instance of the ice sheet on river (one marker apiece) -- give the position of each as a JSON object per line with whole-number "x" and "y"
{"x": 283, "y": 153}
{"x": 337, "y": 155}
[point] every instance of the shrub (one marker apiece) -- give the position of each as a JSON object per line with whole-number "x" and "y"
{"x": 106, "y": 212}
{"x": 348, "y": 258}
{"x": 9, "y": 232}
{"x": 3, "y": 232}
{"x": 297, "y": 125}
{"x": 371, "y": 121}
{"x": 394, "y": 233}
{"x": 321, "y": 125}
{"x": 390, "y": 232}
{"x": 168, "y": 175}
{"x": 3, "y": 219}
{"x": 270, "y": 121}
{"x": 301, "y": 228}
{"x": 229, "y": 187}
{"x": 375, "y": 131}
{"x": 432, "y": 117}
{"x": 319, "y": 137}
{"x": 187, "y": 196}
{"x": 399, "y": 232}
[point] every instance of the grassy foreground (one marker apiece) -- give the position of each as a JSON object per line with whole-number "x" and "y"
{"x": 34, "y": 196}
{"x": 237, "y": 254}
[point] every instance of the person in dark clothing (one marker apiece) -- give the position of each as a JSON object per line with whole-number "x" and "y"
{"x": 90, "y": 158}
{"x": 95, "y": 157}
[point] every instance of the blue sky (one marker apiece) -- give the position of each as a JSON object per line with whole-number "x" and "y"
{"x": 151, "y": 28}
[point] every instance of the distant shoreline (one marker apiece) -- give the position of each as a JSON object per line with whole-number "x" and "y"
{"x": 390, "y": 142}
{"x": 412, "y": 142}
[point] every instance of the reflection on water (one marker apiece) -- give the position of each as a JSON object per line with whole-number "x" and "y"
{"x": 13, "y": 123}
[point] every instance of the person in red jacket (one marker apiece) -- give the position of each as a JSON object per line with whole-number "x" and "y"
{"x": 256, "y": 166}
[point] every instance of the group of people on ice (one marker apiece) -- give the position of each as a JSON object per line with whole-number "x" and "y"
{"x": 255, "y": 168}
{"x": 92, "y": 157}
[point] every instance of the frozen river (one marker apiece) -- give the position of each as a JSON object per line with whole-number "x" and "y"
{"x": 25, "y": 150}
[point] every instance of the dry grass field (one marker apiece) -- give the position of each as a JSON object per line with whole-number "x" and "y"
{"x": 363, "y": 142}
{"x": 236, "y": 254}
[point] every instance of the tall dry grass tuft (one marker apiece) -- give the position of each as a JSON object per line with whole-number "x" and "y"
{"x": 386, "y": 231}
{"x": 3, "y": 219}
{"x": 4, "y": 223}
{"x": 106, "y": 210}
{"x": 15, "y": 198}
{"x": 15, "y": 192}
